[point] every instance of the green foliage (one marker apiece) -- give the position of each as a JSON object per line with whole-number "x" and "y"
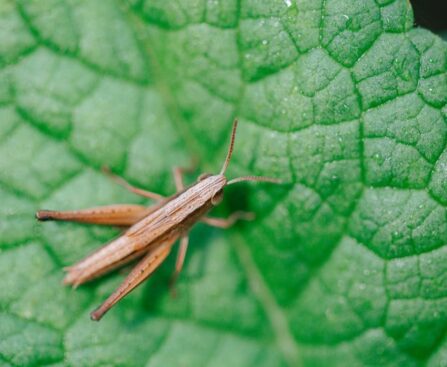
{"x": 345, "y": 265}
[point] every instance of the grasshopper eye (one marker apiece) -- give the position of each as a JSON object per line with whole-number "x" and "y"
{"x": 203, "y": 176}
{"x": 217, "y": 197}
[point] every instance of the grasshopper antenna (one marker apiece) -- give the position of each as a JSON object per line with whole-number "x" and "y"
{"x": 230, "y": 148}
{"x": 244, "y": 178}
{"x": 255, "y": 178}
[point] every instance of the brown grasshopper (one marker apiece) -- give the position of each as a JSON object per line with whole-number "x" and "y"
{"x": 153, "y": 230}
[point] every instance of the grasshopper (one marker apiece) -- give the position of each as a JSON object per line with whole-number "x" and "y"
{"x": 152, "y": 230}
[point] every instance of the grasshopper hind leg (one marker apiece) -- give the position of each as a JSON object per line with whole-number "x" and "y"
{"x": 122, "y": 215}
{"x": 145, "y": 267}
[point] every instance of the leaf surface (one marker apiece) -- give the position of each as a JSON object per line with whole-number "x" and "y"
{"x": 342, "y": 99}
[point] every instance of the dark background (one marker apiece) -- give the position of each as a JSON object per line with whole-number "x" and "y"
{"x": 431, "y": 14}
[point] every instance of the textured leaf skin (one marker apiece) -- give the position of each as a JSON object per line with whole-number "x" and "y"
{"x": 345, "y": 265}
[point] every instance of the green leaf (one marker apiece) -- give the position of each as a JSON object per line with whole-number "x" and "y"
{"x": 345, "y": 264}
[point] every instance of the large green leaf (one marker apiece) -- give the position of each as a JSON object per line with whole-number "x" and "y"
{"x": 346, "y": 263}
